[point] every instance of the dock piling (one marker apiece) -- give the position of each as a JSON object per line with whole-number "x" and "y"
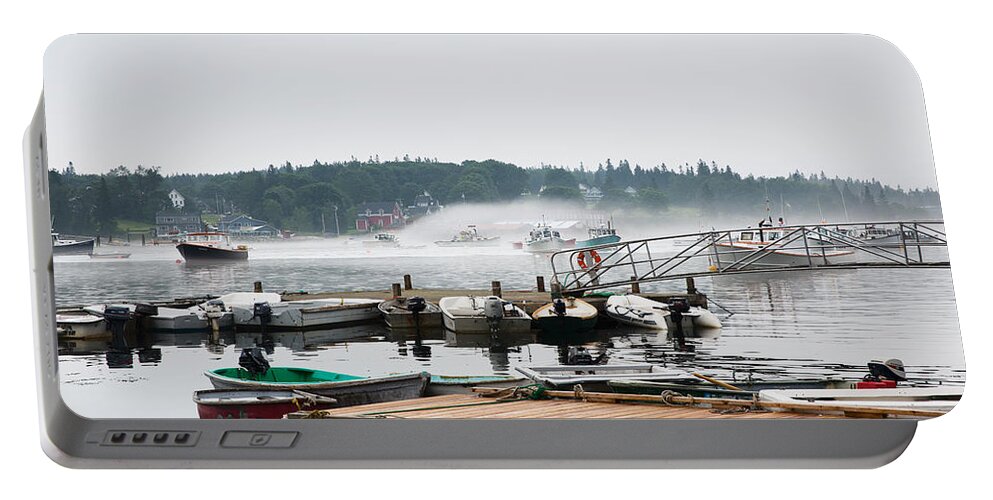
{"x": 496, "y": 289}
{"x": 258, "y": 287}
{"x": 396, "y": 290}
{"x": 407, "y": 282}
{"x": 541, "y": 283}
{"x": 635, "y": 286}
{"x": 690, "y": 286}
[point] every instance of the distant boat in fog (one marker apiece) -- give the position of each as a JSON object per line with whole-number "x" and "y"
{"x": 604, "y": 234}
{"x": 382, "y": 240}
{"x": 469, "y": 237}
{"x": 544, "y": 239}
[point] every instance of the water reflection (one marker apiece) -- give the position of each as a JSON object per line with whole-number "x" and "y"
{"x": 806, "y": 324}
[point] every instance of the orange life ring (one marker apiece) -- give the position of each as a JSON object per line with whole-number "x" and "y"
{"x": 581, "y": 259}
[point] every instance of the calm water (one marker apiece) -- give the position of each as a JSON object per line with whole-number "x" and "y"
{"x": 821, "y": 323}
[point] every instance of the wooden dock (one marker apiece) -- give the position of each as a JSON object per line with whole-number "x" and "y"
{"x": 475, "y": 407}
{"x": 529, "y": 300}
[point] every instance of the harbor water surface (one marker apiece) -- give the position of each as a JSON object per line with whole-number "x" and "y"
{"x": 825, "y": 323}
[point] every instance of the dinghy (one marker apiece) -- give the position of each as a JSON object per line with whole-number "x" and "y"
{"x": 939, "y": 399}
{"x": 400, "y": 313}
{"x": 483, "y": 315}
{"x": 348, "y": 390}
{"x": 638, "y": 311}
{"x": 564, "y": 316}
{"x": 597, "y": 376}
{"x": 463, "y": 384}
{"x": 304, "y": 314}
{"x": 83, "y": 326}
{"x": 253, "y": 403}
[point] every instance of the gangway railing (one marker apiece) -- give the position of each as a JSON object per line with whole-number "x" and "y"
{"x": 893, "y": 244}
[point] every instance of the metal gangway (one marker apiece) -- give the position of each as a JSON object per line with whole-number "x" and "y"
{"x": 889, "y": 244}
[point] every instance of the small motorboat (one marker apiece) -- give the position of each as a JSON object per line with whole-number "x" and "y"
{"x": 469, "y": 237}
{"x": 642, "y": 312}
{"x": 563, "y": 316}
{"x": 253, "y": 403}
{"x": 110, "y": 256}
{"x": 483, "y": 315}
{"x": 348, "y": 390}
{"x": 306, "y": 314}
{"x": 413, "y": 312}
{"x": 82, "y": 326}
{"x": 387, "y": 240}
{"x": 597, "y": 376}
{"x": 637, "y": 311}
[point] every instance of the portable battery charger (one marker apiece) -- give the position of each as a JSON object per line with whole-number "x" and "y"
{"x": 486, "y": 251}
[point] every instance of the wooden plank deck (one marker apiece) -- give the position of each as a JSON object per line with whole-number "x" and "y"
{"x": 472, "y": 406}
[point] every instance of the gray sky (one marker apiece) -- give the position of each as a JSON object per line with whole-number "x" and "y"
{"x": 767, "y": 104}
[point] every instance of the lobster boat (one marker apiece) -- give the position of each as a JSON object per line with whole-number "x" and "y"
{"x": 759, "y": 248}
{"x": 604, "y": 234}
{"x": 543, "y": 239}
{"x": 209, "y": 247}
{"x": 69, "y": 246}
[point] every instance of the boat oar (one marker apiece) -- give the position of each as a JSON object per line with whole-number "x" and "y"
{"x": 717, "y": 382}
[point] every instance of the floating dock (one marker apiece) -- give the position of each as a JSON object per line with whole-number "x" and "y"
{"x": 476, "y": 407}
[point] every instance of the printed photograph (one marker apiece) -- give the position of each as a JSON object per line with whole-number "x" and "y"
{"x": 496, "y": 227}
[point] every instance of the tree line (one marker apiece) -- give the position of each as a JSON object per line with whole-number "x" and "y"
{"x": 295, "y": 197}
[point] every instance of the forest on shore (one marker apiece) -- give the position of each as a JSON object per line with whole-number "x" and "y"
{"x": 294, "y": 197}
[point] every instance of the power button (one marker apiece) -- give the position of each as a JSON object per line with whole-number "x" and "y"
{"x": 247, "y": 439}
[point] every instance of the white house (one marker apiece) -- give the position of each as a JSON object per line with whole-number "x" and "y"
{"x": 178, "y": 201}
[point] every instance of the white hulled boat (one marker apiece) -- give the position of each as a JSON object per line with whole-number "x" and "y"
{"x": 469, "y": 237}
{"x": 483, "y": 315}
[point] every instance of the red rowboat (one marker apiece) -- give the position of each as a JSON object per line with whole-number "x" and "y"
{"x": 254, "y": 403}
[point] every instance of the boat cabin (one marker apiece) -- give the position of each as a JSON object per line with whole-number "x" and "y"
{"x": 209, "y": 239}
{"x": 543, "y": 233}
{"x": 602, "y": 230}
{"x": 760, "y": 236}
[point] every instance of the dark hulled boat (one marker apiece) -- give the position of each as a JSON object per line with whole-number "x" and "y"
{"x": 210, "y": 246}
{"x": 65, "y": 246}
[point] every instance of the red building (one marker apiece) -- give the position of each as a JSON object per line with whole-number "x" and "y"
{"x": 382, "y": 215}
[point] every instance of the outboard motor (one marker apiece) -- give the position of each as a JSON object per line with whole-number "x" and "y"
{"x": 416, "y": 304}
{"x": 676, "y": 309}
{"x": 578, "y": 356}
{"x": 263, "y": 311}
{"x": 558, "y": 307}
{"x": 253, "y": 361}
{"x": 892, "y": 369}
{"x": 116, "y": 318}
{"x": 493, "y": 311}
